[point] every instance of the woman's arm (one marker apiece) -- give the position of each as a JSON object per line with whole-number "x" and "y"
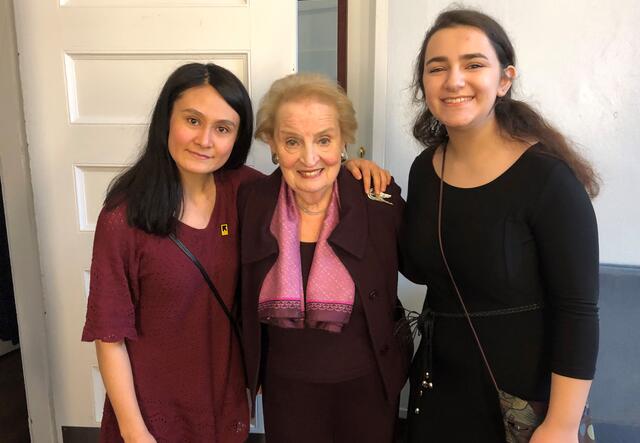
{"x": 568, "y": 397}
{"x": 115, "y": 369}
{"x": 566, "y": 235}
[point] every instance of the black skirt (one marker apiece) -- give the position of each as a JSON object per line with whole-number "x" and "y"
{"x": 462, "y": 405}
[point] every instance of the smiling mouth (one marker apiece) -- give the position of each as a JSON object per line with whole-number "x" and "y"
{"x": 310, "y": 174}
{"x": 456, "y": 100}
{"x": 200, "y": 156}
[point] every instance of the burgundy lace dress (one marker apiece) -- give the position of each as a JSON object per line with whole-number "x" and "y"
{"x": 184, "y": 357}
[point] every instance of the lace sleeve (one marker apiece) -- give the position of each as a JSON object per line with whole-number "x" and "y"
{"x": 111, "y": 309}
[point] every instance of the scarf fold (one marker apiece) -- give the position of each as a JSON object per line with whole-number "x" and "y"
{"x": 330, "y": 288}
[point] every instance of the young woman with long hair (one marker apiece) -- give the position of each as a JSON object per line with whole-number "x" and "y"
{"x": 506, "y": 197}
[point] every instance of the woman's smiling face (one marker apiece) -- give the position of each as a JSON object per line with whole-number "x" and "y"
{"x": 308, "y": 142}
{"x": 463, "y": 77}
{"x": 202, "y": 131}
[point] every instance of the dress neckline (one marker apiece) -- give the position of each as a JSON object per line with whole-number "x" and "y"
{"x": 496, "y": 180}
{"x": 219, "y": 185}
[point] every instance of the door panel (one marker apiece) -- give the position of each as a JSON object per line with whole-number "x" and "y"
{"x": 91, "y": 70}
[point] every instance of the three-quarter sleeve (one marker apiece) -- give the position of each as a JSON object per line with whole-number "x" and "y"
{"x": 566, "y": 234}
{"x": 113, "y": 285}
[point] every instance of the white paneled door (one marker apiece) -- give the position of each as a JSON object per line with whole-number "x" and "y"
{"x": 91, "y": 70}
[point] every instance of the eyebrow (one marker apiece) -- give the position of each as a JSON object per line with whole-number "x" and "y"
{"x": 469, "y": 56}
{"x": 200, "y": 114}
{"x": 327, "y": 131}
{"x": 226, "y": 122}
{"x": 192, "y": 111}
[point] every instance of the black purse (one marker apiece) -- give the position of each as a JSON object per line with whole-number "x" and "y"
{"x": 520, "y": 417}
{"x": 216, "y": 295}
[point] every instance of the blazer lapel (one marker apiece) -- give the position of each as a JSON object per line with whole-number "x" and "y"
{"x": 352, "y": 230}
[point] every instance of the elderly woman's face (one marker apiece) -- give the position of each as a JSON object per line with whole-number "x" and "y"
{"x": 308, "y": 143}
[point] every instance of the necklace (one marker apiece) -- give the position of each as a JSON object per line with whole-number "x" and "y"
{"x": 309, "y": 211}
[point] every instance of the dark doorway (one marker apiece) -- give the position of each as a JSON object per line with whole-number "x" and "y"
{"x": 14, "y": 420}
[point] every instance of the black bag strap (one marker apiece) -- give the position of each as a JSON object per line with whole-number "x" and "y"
{"x": 453, "y": 281}
{"x": 216, "y": 294}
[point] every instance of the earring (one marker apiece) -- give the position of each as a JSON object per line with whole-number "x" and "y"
{"x": 274, "y": 158}
{"x": 344, "y": 156}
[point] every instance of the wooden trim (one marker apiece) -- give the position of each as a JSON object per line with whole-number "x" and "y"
{"x": 342, "y": 43}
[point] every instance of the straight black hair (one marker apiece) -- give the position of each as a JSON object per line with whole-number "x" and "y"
{"x": 515, "y": 118}
{"x": 151, "y": 188}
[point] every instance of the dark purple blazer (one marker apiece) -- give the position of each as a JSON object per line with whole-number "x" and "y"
{"x": 365, "y": 240}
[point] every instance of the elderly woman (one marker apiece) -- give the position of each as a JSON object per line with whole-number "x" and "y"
{"x": 319, "y": 277}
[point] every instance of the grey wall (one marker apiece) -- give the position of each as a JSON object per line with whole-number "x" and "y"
{"x": 615, "y": 395}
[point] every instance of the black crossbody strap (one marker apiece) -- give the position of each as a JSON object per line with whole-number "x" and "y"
{"x": 216, "y": 294}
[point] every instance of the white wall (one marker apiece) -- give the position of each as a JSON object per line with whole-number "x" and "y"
{"x": 578, "y": 65}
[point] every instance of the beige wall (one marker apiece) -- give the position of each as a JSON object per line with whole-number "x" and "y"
{"x": 23, "y": 248}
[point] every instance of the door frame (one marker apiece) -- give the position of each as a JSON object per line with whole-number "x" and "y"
{"x": 367, "y": 75}
{"x": 380, "y": 66}
{"x": 343, "y": 18}
{"x": 22, "y": 238}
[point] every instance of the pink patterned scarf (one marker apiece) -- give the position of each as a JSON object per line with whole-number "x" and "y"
{"x": 330, "y": 288}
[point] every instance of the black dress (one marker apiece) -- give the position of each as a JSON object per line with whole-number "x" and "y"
{"x": 527, "y": 238}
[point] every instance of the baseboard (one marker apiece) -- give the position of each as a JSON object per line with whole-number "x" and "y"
{"x": 7, "y": 346}
{"x": 77, "y": 434}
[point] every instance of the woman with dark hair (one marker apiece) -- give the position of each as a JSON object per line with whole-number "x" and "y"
{"x": 504, "y": 230}
{"x": 168, "y": 357}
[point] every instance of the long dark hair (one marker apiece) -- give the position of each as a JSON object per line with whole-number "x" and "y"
{"x": 514, "y": 117}
{"x": 151, "y": 187}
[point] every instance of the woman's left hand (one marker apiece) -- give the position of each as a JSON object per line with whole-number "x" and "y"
{"x": 366, "y": 170}
{"x": 566, "y": 405}
{"x": 547, "y": 433}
